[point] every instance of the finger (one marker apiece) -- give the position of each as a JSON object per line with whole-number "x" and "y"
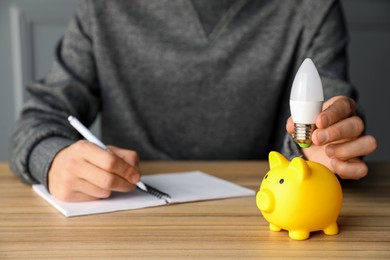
{"x": 351, "y": 127}
{"x": 103, "y": 181}
{"x": 290, "y": 125}
{"x": 107, "y": 161}
{"x": 129, "y": 156}
{"x": 77, "y": 197}
{"x": 358, "y": 147}
{"x": 90, "y": 190}
{"x": 341, "y": 108}
{"x": 73, "y": 190}
{"x": 352, "y": 169}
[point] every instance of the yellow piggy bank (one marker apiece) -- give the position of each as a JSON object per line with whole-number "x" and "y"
{"x": 300, "y": 197}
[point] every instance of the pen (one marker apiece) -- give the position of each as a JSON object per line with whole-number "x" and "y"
{"x": 93, "y": 139}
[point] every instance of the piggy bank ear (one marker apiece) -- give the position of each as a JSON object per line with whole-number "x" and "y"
{"x": 276, "y": 159}
{"x": 301, "y": 167}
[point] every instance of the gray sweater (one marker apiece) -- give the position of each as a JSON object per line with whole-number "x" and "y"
{"x": 170, "y": 89}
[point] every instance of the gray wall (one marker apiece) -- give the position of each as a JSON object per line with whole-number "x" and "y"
{"x": 369, "y": 50}
{"x": 29, "y": 30}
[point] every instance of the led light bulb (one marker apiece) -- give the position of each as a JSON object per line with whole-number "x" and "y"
{"x": 305, "y": 102}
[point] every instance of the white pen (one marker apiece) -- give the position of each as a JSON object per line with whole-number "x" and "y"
{"x": 93, "y": 139}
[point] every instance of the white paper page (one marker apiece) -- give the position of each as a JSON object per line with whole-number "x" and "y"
{"x": 182, "y": 187}
{"x": 117, "y": 201}
{"x": 195, "y": 186}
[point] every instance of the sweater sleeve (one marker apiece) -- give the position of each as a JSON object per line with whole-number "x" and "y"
{"x": 70, "y": 88}
{"x": 325, "y": 41}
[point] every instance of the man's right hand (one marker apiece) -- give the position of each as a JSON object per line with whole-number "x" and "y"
{"x": 83, "y": 172}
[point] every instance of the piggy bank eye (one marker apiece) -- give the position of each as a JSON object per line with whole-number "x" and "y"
{"x": 281, "y": 181}
{"x": 266, "y": 176}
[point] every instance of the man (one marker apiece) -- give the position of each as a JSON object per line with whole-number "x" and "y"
{"x": 182, "y": 80}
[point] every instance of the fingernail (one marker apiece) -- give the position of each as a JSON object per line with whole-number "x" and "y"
{"x": 330, "y": 151}
{"x": 333, "y": 163}
{"x": 325, "y": 120}
{"x": 135, "y": 178}
{"x": 322, "y": 137}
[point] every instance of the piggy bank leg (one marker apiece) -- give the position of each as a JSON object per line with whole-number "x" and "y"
{"x": 331, "y": 229}
{"x": 299, "y": 234}
{"x": 272, "y": 227}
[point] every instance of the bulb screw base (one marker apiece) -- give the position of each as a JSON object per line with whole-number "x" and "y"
{"x": 302, "y": 134}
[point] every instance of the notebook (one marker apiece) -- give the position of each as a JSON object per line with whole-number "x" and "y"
{"x": 182, "y": 187}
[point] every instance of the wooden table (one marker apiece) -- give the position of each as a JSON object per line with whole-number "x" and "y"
{"x": 232, "y": 228}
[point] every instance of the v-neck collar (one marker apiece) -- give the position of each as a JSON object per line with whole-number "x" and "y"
{"x": 225, "y": 19}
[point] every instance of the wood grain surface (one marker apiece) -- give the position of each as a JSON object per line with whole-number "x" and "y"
{"x": 222, "y": 229}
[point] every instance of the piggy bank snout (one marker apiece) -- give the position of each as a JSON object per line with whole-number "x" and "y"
{"x": 265, "y": 200}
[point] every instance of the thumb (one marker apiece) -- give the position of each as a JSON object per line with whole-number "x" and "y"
{"x": 290, "y": 125}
